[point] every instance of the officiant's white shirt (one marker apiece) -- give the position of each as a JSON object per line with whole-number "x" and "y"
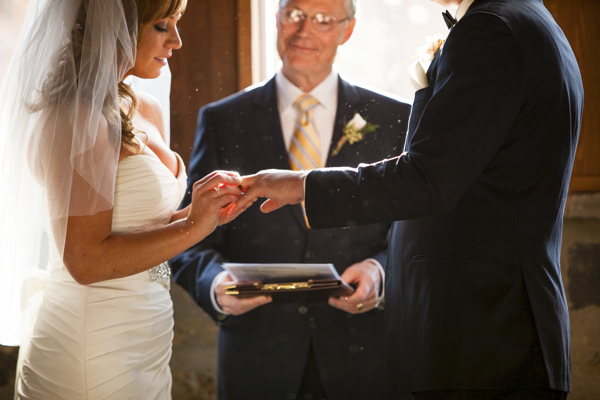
{"x": 323, "y": 115}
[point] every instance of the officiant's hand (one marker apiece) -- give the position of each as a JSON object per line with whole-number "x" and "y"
{"x": 365, "y": 276}
{"x": 235, "y": 305}
{"x": 280, "y": 187}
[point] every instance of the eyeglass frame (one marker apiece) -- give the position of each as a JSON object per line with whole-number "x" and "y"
{"x": 287, "y": 14}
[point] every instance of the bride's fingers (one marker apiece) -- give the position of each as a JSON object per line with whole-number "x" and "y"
{"x": 230, "y": 177}
{"x": 216, "y": 188}
{"x": 245, "y": 201}
{"x": 230, "y": 192}
{"x": 231, "y": 212}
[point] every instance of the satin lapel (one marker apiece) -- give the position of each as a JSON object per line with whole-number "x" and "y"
{"x": 348, "y": 104}
{"x": 268, "y": 133}
{"x": 432, "y": 70}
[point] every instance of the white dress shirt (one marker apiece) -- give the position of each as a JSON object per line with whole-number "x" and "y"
{"x": 323, "y": 115}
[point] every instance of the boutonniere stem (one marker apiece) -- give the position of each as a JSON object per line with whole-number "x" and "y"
{"x": 354, "y": 131}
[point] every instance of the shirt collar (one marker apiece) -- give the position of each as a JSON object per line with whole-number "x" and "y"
{"x": 325, "y": 92}
{"x": 462, "y": 8}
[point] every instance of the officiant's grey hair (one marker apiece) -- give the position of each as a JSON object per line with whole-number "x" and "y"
{"x": 350, "y": 6}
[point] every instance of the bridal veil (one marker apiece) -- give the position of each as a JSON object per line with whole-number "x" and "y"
{"x": 60, "y": 136}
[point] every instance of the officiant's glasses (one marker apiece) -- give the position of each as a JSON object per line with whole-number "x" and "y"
{"x": 320, "y": 21}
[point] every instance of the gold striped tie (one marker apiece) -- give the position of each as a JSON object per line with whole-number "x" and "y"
{"x": 305, "y": 150}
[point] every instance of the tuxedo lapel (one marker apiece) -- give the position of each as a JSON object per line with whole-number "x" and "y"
{"x": 432, "y": 70}
{"x": 267, "y": 128}
{"x": 422, "y": 97}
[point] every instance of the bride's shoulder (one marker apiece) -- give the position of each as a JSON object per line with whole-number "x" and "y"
{"x": 148, "y": 106}
{"x": 150, "y": 112}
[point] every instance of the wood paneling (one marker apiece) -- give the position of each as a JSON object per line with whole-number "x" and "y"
{"x": 580, "y": 20}
{"x": 244, "y": 26}
{"x": 205, "y": 68}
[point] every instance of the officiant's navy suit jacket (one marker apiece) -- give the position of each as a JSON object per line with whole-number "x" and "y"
{"x": 262, "y": 353}
{"x": 474, "y": 294}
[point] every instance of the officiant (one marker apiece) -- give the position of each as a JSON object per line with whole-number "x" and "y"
{"x": 306, "y": 116}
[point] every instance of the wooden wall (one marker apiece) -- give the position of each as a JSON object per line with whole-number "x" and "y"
{"x": 580, "y": 20}
{"x": 205, "y": 69}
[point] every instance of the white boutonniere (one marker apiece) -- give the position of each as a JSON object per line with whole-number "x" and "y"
{"x": 425, "y": 54}
{"x": 354, "y": 131}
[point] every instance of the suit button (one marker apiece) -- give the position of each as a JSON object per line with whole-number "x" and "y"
{"x": 309, "y": 254}
{"x": 302, "y": 310}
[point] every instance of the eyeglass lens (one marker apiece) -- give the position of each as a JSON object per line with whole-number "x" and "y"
{"x": 322, "y": 22}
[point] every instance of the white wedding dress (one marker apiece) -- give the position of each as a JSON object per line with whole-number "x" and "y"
{"x": 109, "y": 340}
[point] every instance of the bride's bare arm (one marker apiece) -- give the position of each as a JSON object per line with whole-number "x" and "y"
{"x": 93, "y": 254}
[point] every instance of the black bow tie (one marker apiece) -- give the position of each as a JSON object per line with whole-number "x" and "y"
{"x": 449, "y": 19}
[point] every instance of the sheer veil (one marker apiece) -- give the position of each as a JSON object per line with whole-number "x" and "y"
{"x": 60, "y": 136}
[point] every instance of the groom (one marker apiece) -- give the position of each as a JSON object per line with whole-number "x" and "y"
{"x": 303, "y": 350}
{"x": 474, "y": 296}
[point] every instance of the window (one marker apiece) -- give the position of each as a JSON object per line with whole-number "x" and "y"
{"x": 12, "y": 13}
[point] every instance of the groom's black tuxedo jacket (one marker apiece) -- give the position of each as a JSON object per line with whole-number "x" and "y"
{"x": 262, "y": 353}
{"x": 474, "y": 294}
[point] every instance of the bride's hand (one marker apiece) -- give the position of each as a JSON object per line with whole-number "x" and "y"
{"x": 212, "y": 197}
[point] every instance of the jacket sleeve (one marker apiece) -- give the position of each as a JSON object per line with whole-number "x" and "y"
{"x": 479, "y": 89}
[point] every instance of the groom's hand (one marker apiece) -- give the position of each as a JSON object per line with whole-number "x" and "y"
{"x": 280, "y": 187}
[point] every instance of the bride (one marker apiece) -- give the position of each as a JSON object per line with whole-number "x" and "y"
{"x": 78, "y": 143}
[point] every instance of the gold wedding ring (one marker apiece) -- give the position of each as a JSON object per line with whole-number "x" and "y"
{"x": 359, "y": 306}
{"x": 218, "y": 190}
